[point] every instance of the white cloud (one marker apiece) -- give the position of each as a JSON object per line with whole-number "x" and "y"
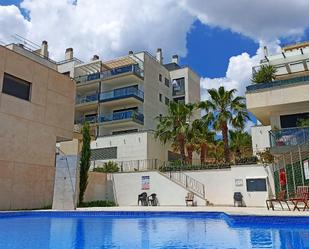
{"x": 12, "y": 22}
{"x": 108, "y": 28}
{"x": 260, "y": 19}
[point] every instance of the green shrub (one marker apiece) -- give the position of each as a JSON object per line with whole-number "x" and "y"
{"x": 109, "y": 167}
{"x": 247, "y": 160}
{"x": 98, "y": 203}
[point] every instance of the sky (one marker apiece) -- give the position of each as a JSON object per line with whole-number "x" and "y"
{"x": 220, "y": 39}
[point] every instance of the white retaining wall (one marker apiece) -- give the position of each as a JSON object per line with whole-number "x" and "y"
{"x": 219, "y": 186}
{"x": 129, "y": 185}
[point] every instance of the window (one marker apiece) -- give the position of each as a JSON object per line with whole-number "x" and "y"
{"x": 160, "y": 77}
{"x": 16, "y": 87}
{"x": 178, "y": 86}
{"x": 289, "y": 121}
{"x": 160, "y": 97}
{"x": 167, "y": 82}
{"x": 256, "y": 184}
{"x": 167, "y": 101}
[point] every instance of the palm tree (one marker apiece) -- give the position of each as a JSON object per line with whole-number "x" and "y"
{"x": 173, "y": 127}
{"x": 204, "y": 137}
{"x": 239, "y": 141}
{"x": 266, "y": 73}
{"x": 223, "y": 109}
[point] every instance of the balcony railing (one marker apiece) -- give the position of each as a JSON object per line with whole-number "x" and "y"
{"x": 106, "y": 74}
{"x": 122, "y": 93}
{"x": 91, "y": 120}
{"x": 289, "y": 137}
{"x": 277, "y": 83}
{"x": 134, "y": 115}
{"x": 86, "y": 98}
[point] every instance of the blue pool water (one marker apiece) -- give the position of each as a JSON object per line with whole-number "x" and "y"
{"x": 98, "y": 230}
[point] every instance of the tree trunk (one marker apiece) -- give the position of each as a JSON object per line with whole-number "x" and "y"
{"x": 190, "y": 154}
{"x": 203, "y": 153}
{"x": 181, "y": 141}
{"x": 225, "y": 138}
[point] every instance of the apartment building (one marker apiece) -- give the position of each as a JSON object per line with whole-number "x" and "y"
{"x": 283, "y": 104}
{"x": 123, "y": 98}
{"x": 36, "y": 111}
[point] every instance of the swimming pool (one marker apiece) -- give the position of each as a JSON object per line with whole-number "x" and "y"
{"x": 98, "y": 230}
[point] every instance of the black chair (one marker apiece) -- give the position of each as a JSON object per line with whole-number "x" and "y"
{"x": 153, "y": 200}
{"x": 238, "y": 198}
{"x": 142, "y": 198}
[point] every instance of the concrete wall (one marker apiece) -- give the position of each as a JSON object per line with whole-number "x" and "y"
{"x": 268, "y": 104}
{"x": 29, "y": 131}
{"x": 66, "y": 182}
{"x": 260, "y": 138}
{"x": 152, "y": 87}
{"x": 128, "y": 187}
{"x": 100, "y": 187}
{"x": 220, "y": 184}
{"x": 133, "y": 146}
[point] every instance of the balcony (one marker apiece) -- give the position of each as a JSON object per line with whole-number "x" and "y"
{"x": 122, "y": 117}
{"x": 133, "y": 69}
{"x": 283, "y": 140}
{"x": 123, "y": 96}
{"x": 278, "y": 83}
{"x": 267, "y": 100}
{"x": 91, "y": 120}
{"x": 86, "y": 102}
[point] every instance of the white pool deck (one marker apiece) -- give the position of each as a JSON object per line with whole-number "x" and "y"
{"x": 260, "y": 211}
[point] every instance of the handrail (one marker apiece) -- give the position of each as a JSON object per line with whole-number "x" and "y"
{"x": 133, "y": 165}
{"x": 188, "y": 182}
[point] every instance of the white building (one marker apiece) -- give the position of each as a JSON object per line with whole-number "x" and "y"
{"x": 122, "y": 98}
{"x": 282, "y": 104}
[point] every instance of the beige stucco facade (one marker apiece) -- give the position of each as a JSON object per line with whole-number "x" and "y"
{"x": 29, "y": 131}
{"x": 267, "y": 105}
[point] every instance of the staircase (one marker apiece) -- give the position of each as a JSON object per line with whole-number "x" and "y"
{"x": 187, "y": 182}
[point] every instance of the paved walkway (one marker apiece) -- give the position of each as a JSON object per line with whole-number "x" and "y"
{"x": 227, "y": 210}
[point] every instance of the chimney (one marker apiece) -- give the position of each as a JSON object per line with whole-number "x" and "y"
{"x": 175, "y": 59}
{"x": 95, "y": 57}
{"x": 68, "y": 54}
{"x": 44, "y": 49}
{"x": 159, "y": 55}
{"x": 130, "y": 52}
{"x": 265, "y": 50}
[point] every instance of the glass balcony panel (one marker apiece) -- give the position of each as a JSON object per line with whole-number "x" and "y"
{"x": 86, "y": 98}
{"x": 277, "y": 83}
{"x": 106, "y": 74}
{"x": 122, "y": 93}
{"x": 289, "y": 137}
{"x": 135, "y": 116}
